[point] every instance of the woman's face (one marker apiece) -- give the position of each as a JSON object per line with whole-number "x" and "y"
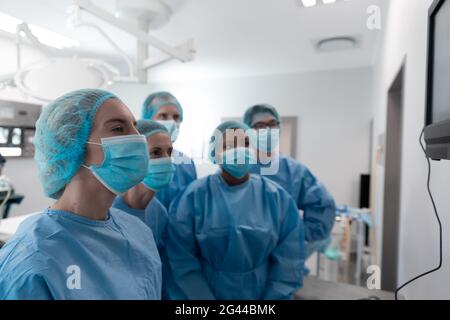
{"x": 159, "y": 145}
{"x": 234, "y": 139}
{"x": 266, "y": 122}
{"x": 168, "y": 113}
{"x": 113, "y": 119}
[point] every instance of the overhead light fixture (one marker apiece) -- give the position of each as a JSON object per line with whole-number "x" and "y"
{"x": 46, "y": 80}
{"x": 308, "y": 3}
{"x": 313, "y": 3}
{"x": 9, "y": 24}
{"x": 156, "y": 12}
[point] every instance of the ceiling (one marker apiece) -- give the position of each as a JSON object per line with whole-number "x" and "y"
{"x": 233, "y": 38}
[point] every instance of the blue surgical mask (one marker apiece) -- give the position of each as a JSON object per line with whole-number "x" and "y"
{"x": 238, "y": 161}
{"x": 172, "y": 127}
{"x": 125, "y": 162}
{"x": 160, "y": 173}
{"x": 268, "y": 139}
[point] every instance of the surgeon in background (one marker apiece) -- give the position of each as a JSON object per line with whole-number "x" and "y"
{"x": 309, "y": 194}
{"x": 139, "y": 200}
{"x": 164, "y": 108}
{"x": 232, "y": 234}
{"x": 87, "y": 151}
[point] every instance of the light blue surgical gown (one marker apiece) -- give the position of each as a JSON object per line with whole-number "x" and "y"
{"x": 154, "y": 216}
{"x": 235, "y": 242}
{"x": 184, "y": 174}
{"x": 309, "y": 194}
{"x": 115, "y": 259}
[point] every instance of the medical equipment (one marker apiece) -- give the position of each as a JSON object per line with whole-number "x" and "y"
{"x": 333, "y": 262}
{"x": 17, "y": 128}
{"x": 6, "y": 191}
{"x": 47, "y": 79}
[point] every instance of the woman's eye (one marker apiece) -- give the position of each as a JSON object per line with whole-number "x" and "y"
{"x": 118, "y": 129}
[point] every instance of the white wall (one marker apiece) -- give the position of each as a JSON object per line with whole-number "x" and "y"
{"x": 333, "y": 109}
{"x": 405, "y": 36}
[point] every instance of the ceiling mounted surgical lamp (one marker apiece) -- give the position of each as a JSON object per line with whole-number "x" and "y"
{"x": 61, "y": 72}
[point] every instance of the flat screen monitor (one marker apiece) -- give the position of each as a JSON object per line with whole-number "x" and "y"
{"x": 437, "y": 132}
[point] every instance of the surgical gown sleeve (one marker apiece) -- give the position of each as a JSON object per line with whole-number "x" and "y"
{"x": 30, "y": 286}
{"x": 287, "y": 259}
{"x": 317, "y": 204}
{"x": 182, "y": 251}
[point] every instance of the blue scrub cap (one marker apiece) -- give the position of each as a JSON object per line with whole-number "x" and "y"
{"x": 254, "y": 111}
{"x": 150, "y": 127}
{"x": 62, "y": 131}
{"x": 157, "y": 100}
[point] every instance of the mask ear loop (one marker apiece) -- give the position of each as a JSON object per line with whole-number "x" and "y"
{"x": 94, "y": 143}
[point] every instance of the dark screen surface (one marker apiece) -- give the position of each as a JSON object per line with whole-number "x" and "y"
{"x": 440, "y": 63}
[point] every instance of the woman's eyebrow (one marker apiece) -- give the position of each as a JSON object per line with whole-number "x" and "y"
{"x": 116, "y": 120}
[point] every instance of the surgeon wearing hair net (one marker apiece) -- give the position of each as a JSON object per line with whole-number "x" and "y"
{"x": 140, "y": 201}
{"x": 164, "y": 108}
{"x": 87, "y": 151}
{"x": 232, "y": 234}
{"x": 308, "y": 193}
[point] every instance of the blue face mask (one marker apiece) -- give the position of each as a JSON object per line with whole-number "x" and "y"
{"x": 268, "y": 139}
{"x": 160, "y": 173}
{"x": 125, "y": 162}
{"x": 172, "y": 127}
{"x": 238, "y": 161}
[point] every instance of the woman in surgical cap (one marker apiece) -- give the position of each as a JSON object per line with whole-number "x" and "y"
{"x": 140, "y": 201}
{"x": 88, "y": 151}
{"x": 232, "y": 234}
{"x": 164, "y": 108}
{"x": 309, "y": 194}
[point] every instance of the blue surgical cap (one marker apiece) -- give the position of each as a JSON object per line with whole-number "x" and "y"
{"x": 62, "y": 131}
{"x": 157, "y": 100}
{"x": 150, "y": 127}
{"x": 252, "y": 112}
{"x": 219, "y": 131}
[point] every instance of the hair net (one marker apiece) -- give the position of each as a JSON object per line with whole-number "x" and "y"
{"x": 157, "y": 100}
{"x": 62, "y": 131}
{"x": 219, "y": 131}
{"x": 150, "y": 127}
{"x": 253, "y": 112}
